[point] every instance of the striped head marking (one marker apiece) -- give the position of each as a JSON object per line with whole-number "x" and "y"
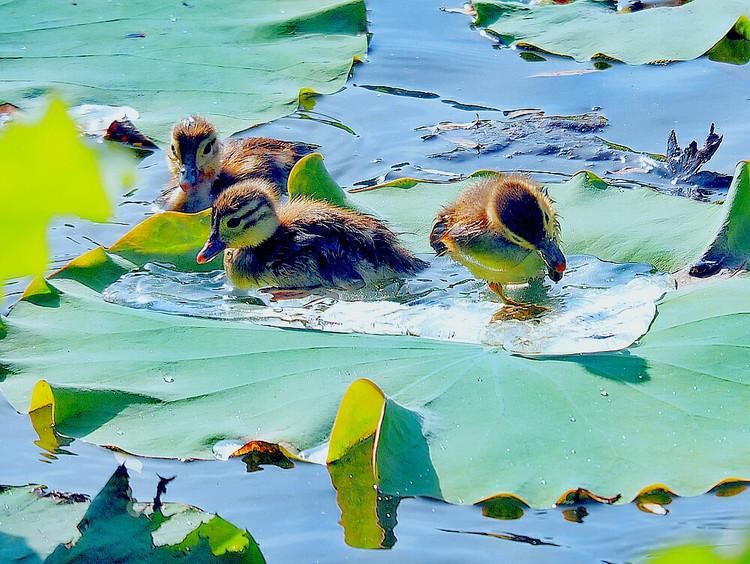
{"x": 242, "y": 216}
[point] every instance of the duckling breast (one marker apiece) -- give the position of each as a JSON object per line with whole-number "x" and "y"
{"x": 500, "y": 261}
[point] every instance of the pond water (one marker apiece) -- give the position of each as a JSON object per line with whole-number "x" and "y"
{"x": 427, "y": 66}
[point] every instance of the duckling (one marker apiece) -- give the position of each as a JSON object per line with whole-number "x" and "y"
{"x": 302, "y": 245}
{"x": 202, "y": 165}
{"x": 505, "y": 231}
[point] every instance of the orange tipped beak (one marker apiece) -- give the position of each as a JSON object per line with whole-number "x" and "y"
{"x": 553, "y": 258}
{"x": 210, "y": 250}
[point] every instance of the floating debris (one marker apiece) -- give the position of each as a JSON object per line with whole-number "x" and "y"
{"x": 683, "y": 164}
{"x": 528, "y": 131}
{"x": 123, "y": 131}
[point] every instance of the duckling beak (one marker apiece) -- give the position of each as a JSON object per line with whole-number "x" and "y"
{"x": 210, "y": 250}
{"x": 188, "y": 176}
{"x": 553, "y": 258}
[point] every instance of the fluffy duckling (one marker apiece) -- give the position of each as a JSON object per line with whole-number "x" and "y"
{"x": 202, "y": 165}
{"x": 505, "y": 231}
{"x": 302, "y": 244}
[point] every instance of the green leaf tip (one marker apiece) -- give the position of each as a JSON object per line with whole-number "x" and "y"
{"x": 42, "y": 293}
{"x": 172, "y": 238}
{"x": 311, "y": 179}
{"x": 95, "y": 269}
{"x": 730, "y": 248}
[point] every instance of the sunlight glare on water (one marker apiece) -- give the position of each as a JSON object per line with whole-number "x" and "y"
{"x": 598, "y": 306}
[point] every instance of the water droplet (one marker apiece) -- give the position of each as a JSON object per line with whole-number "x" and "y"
{"x": 543, "y": 482}
{"x": 168, "y": 379}
{"x": 572, "y": 419}
{"x": 603, "y": 392}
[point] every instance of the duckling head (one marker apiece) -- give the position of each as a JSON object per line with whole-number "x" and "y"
{"x": 523, "y": 214}
{"x": 242, "y": 216}
{"x": 195, "y": 154}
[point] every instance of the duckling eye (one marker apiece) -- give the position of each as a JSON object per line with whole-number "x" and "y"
{"x": 233, "y": 222}
{"x": 208, "y": 147}
{"x": 173, "y": 149}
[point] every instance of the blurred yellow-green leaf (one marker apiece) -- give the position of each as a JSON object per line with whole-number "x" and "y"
{"x": 48, "y": 171}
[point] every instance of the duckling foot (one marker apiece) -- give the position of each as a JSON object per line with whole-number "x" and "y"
{"x": 519, "y": 312}
{"x": 278, "y": 295}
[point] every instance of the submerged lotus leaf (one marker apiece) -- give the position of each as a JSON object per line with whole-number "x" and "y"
{"x": 586, "y": 29}
{"x": 614, "y": 224}
{"x": 48, "y": 171}
{"x": 486, "y": 422}
{"x": 238, "y": 65}
{"x": 37, "y": 524}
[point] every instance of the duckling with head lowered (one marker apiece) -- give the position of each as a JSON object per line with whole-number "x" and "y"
{"x": 303, "y": 244}
{"x": 203, "y": 166}
{"x": 505, "y": 231}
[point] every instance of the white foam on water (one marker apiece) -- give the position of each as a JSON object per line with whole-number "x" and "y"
{"x": 598, "y": 306}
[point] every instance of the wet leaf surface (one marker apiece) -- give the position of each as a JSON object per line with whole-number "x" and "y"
{"x": 237, "y": 75}
{"x": 579, "y": 437}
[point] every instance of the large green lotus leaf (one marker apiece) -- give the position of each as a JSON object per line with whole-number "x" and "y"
{"x": 615, "y": 224}
{"x": 37, "y": 524}
{"x": 586, "y": 29}
{"x": 69, "y": 183}
{"x": 493, "y": 423}
{"x": 239, "y": 65}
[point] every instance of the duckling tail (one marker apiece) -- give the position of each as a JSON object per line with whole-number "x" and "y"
{"x": 439, "y": 229}
{"x": 301, "y": 148}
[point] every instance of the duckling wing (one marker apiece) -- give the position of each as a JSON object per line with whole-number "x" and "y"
{"x": 439, "y": 229}
{"x": 333, "y": 257}
{"x": 172, "y": 198}
{"x": 447, "y": 237}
